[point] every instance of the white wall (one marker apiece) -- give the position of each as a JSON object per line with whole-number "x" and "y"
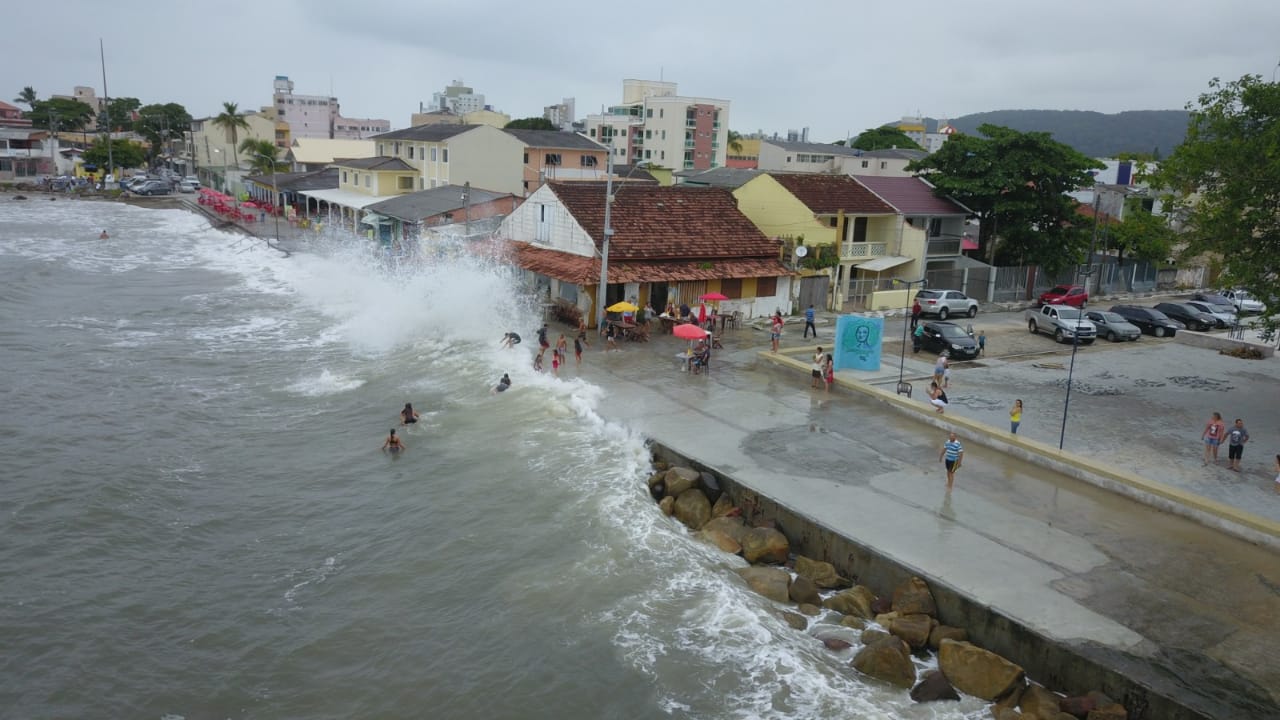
{"x": 565, "y": 235}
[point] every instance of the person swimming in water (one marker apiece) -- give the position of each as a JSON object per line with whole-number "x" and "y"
{"x": 393, "y": 443}
{"x": 104, "y": 236}
{"x": 503, "y": 384}
{"x": 408, "y": 415}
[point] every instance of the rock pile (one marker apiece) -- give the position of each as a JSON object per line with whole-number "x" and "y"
{"x": 889, "y": 637}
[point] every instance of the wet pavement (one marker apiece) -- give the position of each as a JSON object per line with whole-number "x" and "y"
{"x": 1075, "y": 562}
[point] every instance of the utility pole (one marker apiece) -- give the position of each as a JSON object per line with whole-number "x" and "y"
{"x": 466, "y": 208}
{"x": 106, "y": 110}
{"x": 53, "y": 124}
{"x": 604, "y": 244}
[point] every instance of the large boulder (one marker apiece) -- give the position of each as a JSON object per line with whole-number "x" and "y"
{"x": 946, "y": 632}
{"x": 1114, "y": 711}
{"x": 804, "y": 592}
{"x": 913, "y": 629}
{"x": 795, "y": 620}
{"x": 679, "y": 479}
{"x": 871, "y": 636}
{"x": 887, "y": 659}
{"x": 854, "y": 622}
{"x": 769, "y": 582}
{"x": 668, "y": 505}
{"x": 1004, "y": 713}
{"x": 913, "y": 597}
{"x": 978, "y": 672}
{"x": 723, "y": 507}
{"x": 1037, "y": 702}
{"x": 1077, "y": 705}
{"x": 855, "y": 601}
{"x": 710, "y": 486}
{"x": 734, "y": 527}
{"x": 720, "y": 539}
{"x": 823, "y": 574}
{"x": 765, "y": 546}
{"x": 807, "y": 609}
{"x": 692, "y": 508}
{"x": 933, "y": 687}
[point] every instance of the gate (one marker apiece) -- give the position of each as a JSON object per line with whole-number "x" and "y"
{"x": 813, "y": 291}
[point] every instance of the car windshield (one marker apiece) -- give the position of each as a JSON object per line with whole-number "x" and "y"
{"x": 1060, "y": 290}
{"x": 952, "y": 331}
{"x": 1111, "y": 317}
{"x": 927, "y": 294}
{"x": 1215, "y": 300}
{"x": 1157, "y": 315}
{"x": 1068, "y": 313}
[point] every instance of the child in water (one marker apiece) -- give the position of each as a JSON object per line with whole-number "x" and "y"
{"x": 393, "y": 444}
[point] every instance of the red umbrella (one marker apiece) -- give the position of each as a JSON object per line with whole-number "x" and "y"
{"x": 716, "y": 297}
{"x": 689, "y": 332}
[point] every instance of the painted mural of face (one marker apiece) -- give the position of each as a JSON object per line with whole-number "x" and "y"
{"x": 861, "y": 334}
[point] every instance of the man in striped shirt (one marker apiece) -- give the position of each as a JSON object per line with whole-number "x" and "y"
{"x": 951, "y": 455}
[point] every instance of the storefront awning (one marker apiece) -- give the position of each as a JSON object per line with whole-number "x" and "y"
{"x": 884, "y": 263}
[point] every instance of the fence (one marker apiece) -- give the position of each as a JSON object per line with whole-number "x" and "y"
{"x": 1025, "y": 282}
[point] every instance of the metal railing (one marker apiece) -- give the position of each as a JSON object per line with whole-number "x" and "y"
{"x": 862, "y": 250}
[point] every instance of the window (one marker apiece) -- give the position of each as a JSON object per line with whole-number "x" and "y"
{"x": 648, "y": 113}
{"x": 622, "y": 132}
{"x": 588, "y": 161}
{"x": 648, "y": 134}
{"x": 647, "y": 154}
{"x": 662, "y": 155}
{"x": 883, "y": 164}
{"x": 866, "y": 163}
{"x": 410, "y": 152}
{"x": 406, "y": 182}
{"x": 551, "y": 159}
{"x": 731, "y": 289}
{"x": 593, "y": 132}
{"x": 433, "y": 153}
{"x": 788, "y": 158}
{"x": 344, "y": 177}
{"x": 526, "y": 186}
{"x": 660, "y": 113}
{"x": 356, "y": 179}
{"x": 526, "y": 158}
{"x": 766, "y": 286}
{"x": 381, "y": 149}
{"x": 664, "y": 134}
{"x": 397, "y": 147}
{"x": 444, "y": 155}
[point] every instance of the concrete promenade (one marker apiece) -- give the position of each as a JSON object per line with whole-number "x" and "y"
{"x": 1174, "y": 601}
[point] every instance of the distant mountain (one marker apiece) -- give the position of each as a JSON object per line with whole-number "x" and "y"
{"x": 1094, "y": 134}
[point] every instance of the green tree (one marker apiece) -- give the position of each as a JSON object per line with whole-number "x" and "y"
{"x": 1142, "y": 235}
{"x": 231, "y": 120}
{"x": 65, "y": 113}
{"x": 124, "y": 153}
{"x": 531, "y": 123}
{"x": 734, "y": 142}
{"x": 1016, "y": 183}
{"x": 160, "y": 124}
{"x": 120, "y": 112}
{"x": 1227, "y": 181}
{"x": 27, "y": 97}
{"x": 263, "y": 156}
{"x": 883, "y": 138}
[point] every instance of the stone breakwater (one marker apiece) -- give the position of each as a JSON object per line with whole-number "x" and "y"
{"x": 884, "y": 633}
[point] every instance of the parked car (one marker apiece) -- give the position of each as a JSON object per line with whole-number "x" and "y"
{"x": 154, "y": 187}
{"x": 1062, "y": 322}
{"x": 1224, "y": 317}
{"x": 186, "y": 187}
{"x": 195, "y": 181}
{"x": 1244, "y": 302}
{"x": 1073, "y": 295}
{"x": 945, "y": 303}
{"x": 1113, "y": 326}
{"x": 1213, "y": 298}
{"x": 1193, "y": 318}
{"x": 940, "y": 336}
{"x": 1148, "y": 320}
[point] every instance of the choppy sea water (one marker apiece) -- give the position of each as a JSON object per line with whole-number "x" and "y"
{"x": 196, "y": 520}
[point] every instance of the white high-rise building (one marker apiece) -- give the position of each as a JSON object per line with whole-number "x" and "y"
{"x": 457, "y": 99}
{"x": 656, "y": 125}
{"x": 318, "y": 116}
{"x": 561, "y": 115}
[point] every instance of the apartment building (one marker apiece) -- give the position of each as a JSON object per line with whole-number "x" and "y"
{"x": 655, "y": 124}
{"x": 319, "y": 116}
{"x": 561, "y": 114}
{"x": 458, "y": 99}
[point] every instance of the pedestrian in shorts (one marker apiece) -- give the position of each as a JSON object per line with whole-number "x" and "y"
{"x": 951, "y": 455}
{"x": 1237, "y": 436}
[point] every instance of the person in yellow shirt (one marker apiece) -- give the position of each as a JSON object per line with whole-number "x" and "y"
{"x": 1015, "y": 416}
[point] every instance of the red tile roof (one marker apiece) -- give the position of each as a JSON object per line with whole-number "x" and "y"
{"x": 666, "y": 223}
{"x": 586, "y": 270}
{"x": 911, "y": 195}
{"x": 829, "y": 194}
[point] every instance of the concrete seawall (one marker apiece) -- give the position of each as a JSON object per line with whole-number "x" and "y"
{"x": 1139, "y": 682}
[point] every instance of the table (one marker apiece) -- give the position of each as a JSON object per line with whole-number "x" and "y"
{"x": 684, "y": 360}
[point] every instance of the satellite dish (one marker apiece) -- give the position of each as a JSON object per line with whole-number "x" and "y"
{"x": 801, "y": 251}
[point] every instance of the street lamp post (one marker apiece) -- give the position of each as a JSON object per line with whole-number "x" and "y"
{"x": 904, "y": 388}
{"x": 604, "y": 243}
{"x": 1075, "y": 336}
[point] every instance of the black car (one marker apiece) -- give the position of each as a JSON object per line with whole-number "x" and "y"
{"x": 940, "y": 336}
{"x": 1188, "y": 315}
{"x": 154, "y": 187}
{"x": 1148, "y": 320}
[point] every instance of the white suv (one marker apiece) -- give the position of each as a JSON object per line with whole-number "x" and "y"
{"x": 945, "y": 303}
{"x": 1244, "y": 302}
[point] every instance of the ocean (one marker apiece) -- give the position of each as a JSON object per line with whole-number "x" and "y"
{"x": 197, "y": 520}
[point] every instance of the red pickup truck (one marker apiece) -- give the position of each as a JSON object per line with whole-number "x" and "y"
{"x": 1073, "y": 295}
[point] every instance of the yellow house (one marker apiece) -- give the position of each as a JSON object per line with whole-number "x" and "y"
{"x": 377, "y": 176}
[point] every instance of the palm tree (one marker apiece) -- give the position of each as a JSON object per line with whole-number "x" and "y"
{"x": 735, "y": 141}
{"x": 27, "y": 97}
{"x": 231, "y": 120}
{"x": 264, "y": 156}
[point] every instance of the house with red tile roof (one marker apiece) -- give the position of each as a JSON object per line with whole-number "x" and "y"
{"x": 668, "y": 245}
{"x": 934, "y": 224}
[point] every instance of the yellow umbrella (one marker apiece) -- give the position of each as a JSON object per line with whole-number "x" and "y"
{"x": 623, "y": 306}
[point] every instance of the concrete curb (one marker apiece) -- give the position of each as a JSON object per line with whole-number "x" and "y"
{"x": 1211, "y": 513}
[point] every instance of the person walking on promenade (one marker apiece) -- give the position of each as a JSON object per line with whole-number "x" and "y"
{"x": 951, "y": 455}
{"x": 809, "y": 316}
{"x": 1015, "y": 416}
{"x": 915, "y": 314}
{"x": 1237, "y": 436}
{"x": 937, "y": 397}
{"x": 940, "y": 370}
{"x": 917, "y": 337}
{"x": 982, "y": 343}
{"x": 815, "y": 370}
{"x": 775, "y": 329}
{"x": 829, "y": 372}
{"x": 1212, "y": 437}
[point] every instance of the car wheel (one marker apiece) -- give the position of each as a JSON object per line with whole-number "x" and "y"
{"x": 943, "y": 313}
{"x": 1031, "y": 326}
{"x": 1158, "y": 331}
{"x": 1060, "y": 336}
{"x": 973, "y": 311}
{"x": 1113, "y": 337}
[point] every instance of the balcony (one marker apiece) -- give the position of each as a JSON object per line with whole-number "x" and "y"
{"x": 855, "y": 251}
{"x": 688, "y": 144}
{"x": 943, "y": 246}
{"x": 690, "y": 122}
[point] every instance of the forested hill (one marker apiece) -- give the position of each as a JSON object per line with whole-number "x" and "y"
{"x": 1094, "y": 134}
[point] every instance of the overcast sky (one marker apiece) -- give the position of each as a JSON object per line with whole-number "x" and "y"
{"x": 834, "y": 66}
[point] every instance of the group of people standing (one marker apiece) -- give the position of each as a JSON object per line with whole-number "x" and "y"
{"x": 1216, "y": 432}
{"x": 823, "y": 369}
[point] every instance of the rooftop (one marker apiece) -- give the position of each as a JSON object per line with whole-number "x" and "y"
{"x": 427, "y": 133}
{"x": 416, "y": 206}
{"x": 555, "y": 139}
{"x": 911, "y": 196}
{"x": 722, "y": 177}
{"x": 820, "y": 148}
{"x": 830, "y": 194}
{"x": 379, "y": 164}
